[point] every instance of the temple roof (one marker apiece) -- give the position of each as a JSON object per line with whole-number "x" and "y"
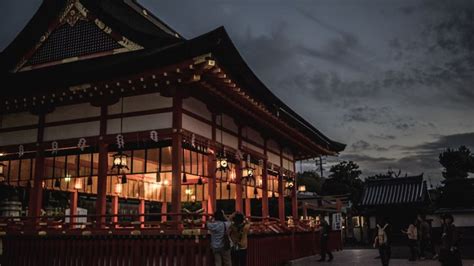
{"x": 161, "y": 47}
{"x": 389, "y": 191}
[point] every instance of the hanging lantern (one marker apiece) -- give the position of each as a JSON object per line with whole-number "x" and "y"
{"x": 2, "y": 172}
{"x": 228, "y": 186}
{"x": 119, "y": 161}
{"x": 118, "y": 188}
{"x": 302, "y": 188}
{"x": 290, "y": 182}
{"x": 199, "y": 181}
{"x": 67, "y": 178}
{"x": 188, "y": 191}
{"x": 78, "y": 184}
{"x": 89, "y": 181}
{"x": 57, "y": 183}
{"x": 185, "y": 179}
{"x": 222, "y": 163}
{"x": 124, "y": 179}
{"x": 255, "y": 191}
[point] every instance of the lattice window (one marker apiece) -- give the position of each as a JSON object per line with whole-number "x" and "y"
{"x": 65, "y": 42}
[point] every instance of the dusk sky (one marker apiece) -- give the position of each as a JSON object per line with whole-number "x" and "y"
{"x": 391, "y": 79}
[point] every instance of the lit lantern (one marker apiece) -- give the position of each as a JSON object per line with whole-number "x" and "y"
{"x": 2, "y": 172}
{"x": 188, "y": 191}
{"x": 166, "y": 182}
{"x": 302, "y": 188}
{"x": 119, "y": 161}
{"x": 118, "y": 188}
{"x": 78, "y": 184}
{"x": 290, "y": 182}
{"x": 222, "y": 163}
{"x": 67, "y": 178}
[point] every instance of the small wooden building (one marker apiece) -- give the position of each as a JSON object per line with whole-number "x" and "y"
{"x": 398, "y": 199}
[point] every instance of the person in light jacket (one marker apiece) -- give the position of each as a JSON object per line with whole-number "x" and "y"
{"x": 219, "y": 226}
{"x": 412, "y": 234}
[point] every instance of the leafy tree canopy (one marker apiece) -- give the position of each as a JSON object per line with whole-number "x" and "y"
{"x": 457, "y": 163}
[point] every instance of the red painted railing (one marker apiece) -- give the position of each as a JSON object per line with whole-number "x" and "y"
{"x": 39, "y": 241}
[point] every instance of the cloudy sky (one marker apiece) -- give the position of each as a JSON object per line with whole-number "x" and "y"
{"x": 391, "y": 79}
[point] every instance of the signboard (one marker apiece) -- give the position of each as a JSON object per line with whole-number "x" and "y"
{"x": 336, "y": 221}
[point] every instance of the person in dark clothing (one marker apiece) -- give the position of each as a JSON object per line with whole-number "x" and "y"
{"x": 238, "y": 234}
{"x": 424, "y": 237}
{"x": 383, "y": 240}
{"x": 324, "y": 229}
{"x": 449, "y": 252}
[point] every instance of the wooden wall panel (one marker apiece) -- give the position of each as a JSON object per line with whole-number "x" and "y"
{"x": 197, "y": 126}
{"x": 229, "y": 124}
{"x": 252, "y": 147}
{"x": 140, "y": 123}
{"x": 78, "y": 130}
{"x": 70, "y": 112}
{"x": 273, "y": 158}
{"x": 141, "y": 103}
{"x": 228, "y": 139}
{"x": 18, "y": 119}
{"x": 18, "y": 137}
{"x": 253, "y": 135}
{"x": 197, "y": 107}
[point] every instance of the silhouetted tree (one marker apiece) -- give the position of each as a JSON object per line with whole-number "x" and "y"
{"x": 344, "y": 178}
{"x": 457, "y": 163}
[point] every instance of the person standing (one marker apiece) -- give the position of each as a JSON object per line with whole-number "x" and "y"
{"x": 324, "y": 229}
{"x": 238, "y": 235}
{"x": 424, "y": 234}
{"x": 382, "y": 241}
{"x": 449, "y": 252}
{"x": 412, "y": 233}
{"x": 219, "y": 226}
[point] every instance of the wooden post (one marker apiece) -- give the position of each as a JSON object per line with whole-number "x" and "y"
{"x": 238, "y": 176}
{"x": 238, "y": 187}
{"x": 101, "y": 203}
{"x": 36, "y": 192}
{"x": 177, "y": 156}
{"x": 204, "y": 207}
{"x": 294, "y": 197}
{"x": 164, "y": 210}
{"x": 281, "y": 199}
{"x": 141, "y": 212}
{"x": 265, "y": 212}
{"x": 212, "y": 184}
{"x": 281, "y": 188}
{"x": 248, "y": 210}
{"x": 115, "y": 210}
{"x": 73, "y": 198}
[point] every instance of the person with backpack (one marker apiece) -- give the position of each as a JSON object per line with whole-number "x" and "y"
{"x": 219, "y": 226}
{"x": 238, "y": 235}
{"x": 382, "y": 241}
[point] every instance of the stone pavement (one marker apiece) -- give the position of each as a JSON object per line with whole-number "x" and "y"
{"x": 364, "y": 257}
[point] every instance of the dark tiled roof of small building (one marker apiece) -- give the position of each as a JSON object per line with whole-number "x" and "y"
{"x": 387, "y": 191}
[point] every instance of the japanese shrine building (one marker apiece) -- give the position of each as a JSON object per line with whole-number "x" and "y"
{"x": 87, "y": 80}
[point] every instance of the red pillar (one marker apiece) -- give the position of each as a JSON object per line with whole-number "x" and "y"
{"x": 115, "y": 209}
{"x": 177, "y": 156}
{"x": 101, "y": 202}
{"x": 73, "y": 198}
{"x": 281, "y": 199}
{"x": 141, "y": 212}
{"x": 265, "y": 212}
{"x": 238, "y": 187}
{"x": 248, "y": 210}
{"x": 36, "y": 192}
{"x": 101, "y": 207}
{"x": 294, "y": 197}
{"x": 212, "y": 195}
{"x": 294, "y": 202}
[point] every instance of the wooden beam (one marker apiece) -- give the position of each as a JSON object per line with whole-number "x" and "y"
{"x": 36, "y": 192}
{"x": 177, "y": 156}
{"x": 101, "y": 203}
{"x": 265, "y": 212}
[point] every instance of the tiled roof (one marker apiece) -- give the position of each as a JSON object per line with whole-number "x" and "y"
{"x": 406, "y": 190}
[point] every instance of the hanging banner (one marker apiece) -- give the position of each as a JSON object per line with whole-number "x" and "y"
{"x": 336, "y": 221}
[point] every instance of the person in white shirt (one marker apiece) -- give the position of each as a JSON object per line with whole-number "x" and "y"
{"x": 219, "y": 226}
{"x": 412, "y": 233}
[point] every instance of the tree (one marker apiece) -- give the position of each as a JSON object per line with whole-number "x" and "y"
{"x": 344, "y": 179}
{"x": 457, "y": 163}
